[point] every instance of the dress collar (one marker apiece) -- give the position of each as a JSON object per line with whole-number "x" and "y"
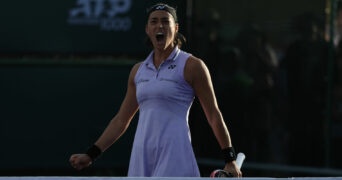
{"x": 172, "y": 57}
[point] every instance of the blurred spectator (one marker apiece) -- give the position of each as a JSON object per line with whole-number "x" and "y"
{"x": 337, "y": 108}
{"x": 337, "y": 94}
{"x": 337, "y": 25}
{"x": 256, "y": 67}
{"x": 306, "y": 64}
{"x": 336, "y": 98}
{"x": 233, "y": 84}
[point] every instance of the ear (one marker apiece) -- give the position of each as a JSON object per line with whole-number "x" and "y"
{"x": 176, "y": 27}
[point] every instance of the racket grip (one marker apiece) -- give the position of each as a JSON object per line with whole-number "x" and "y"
{"x": 239, "y": 159}
{"x": 219, "y": 173}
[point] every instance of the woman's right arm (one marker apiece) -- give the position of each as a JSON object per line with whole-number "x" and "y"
{"x": 122, "y": 119}
{"x": 116, "y": 127}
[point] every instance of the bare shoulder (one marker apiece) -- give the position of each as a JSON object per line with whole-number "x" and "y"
{"x": 195, "y": 68}
{"x": 135, "y": 69}
{"x": 133, "y": 72}
{"x": 194, "y": 63}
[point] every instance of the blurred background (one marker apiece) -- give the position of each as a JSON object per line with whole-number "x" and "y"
{"x": 276, "y": 68}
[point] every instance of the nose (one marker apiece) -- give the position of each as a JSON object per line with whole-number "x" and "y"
{"x": 160, "y": 25}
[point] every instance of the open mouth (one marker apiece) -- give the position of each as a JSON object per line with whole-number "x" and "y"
{"x": 160, "y": 36}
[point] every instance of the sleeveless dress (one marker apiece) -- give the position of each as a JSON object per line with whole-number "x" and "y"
{"x": 162, "y": 144}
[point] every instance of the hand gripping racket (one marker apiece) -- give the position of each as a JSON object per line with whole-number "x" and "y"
{"x": 220, "y": 173}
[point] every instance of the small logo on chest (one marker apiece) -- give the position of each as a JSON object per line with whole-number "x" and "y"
{"x": 172, "y": 66}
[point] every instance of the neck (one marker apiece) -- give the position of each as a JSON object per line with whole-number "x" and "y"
{"x": 160, "y": 55}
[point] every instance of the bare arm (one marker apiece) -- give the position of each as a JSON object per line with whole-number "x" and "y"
{"x": 122, "y": 119}
{"x": 115, "y": 128}
{"x": 201, "y": 82}
{"x": 198, "y": 76}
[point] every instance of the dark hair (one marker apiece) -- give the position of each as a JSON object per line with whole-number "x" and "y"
{"x": 179, "y": 38}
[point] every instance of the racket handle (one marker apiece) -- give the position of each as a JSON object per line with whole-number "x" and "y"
{"x": 219, "y": 173}
{"x": 239, "y": 159}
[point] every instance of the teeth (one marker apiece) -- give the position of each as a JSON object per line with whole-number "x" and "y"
{"x": 160, "y": 36}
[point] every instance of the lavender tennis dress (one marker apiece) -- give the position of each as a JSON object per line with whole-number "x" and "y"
{"x": 162, "y": 144}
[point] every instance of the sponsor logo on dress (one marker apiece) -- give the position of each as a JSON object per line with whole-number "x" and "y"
{"x": 109, "y": 15}
{"x": 172, "y": 66}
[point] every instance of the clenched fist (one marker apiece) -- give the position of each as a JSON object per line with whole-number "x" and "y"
{"x": 80, "y": 161}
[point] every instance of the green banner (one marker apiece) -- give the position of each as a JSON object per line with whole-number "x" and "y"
{"x": 75, "y": 26}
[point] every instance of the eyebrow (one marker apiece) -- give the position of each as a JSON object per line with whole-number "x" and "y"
{"x": 163, "y": 18}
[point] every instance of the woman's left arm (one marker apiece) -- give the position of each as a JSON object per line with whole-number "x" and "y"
{"x": 198, "y": 76}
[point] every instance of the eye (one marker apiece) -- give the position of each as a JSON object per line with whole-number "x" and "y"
{"x": 165, "y": 21}
{"x": 153, "y": 21}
